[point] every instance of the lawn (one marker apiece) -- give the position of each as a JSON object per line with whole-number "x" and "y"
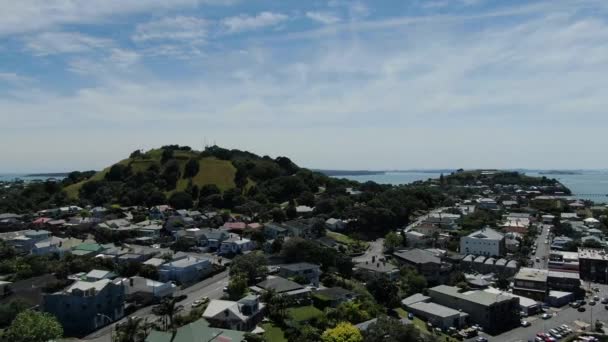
{"x": 73, "y": 190}
{"x": 304, "y": 313}
{"x": 273, "y": 333}
{"x": 353, "y": 244}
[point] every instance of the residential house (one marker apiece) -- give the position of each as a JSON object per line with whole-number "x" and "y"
{"x": 371, "y": 270}
{"x": 88, "y": 249}
{"x": 416, "y": 239}
{"x": 308, "y": 271}
{"x": 86, "y": 306}
{"x": 487, "y": 203}
{"x": 188, "y": 269}
{"x": 282, "y": 286}
{"x": 196, "y": 332}
{"x": 426, "y": 263}
{"x": 25, "y": 241}
{"x": 147, "y": 290}
{"x": 334, "y": 224}
{"x": 236, "y": 245}
{"x": 275, "y": 230}
{"x": 96, "y": 275}
{"x": 242, "y": 315}
{"x": 485, "y": 241}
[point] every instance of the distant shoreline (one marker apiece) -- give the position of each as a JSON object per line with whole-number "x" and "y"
{"x": 51, "y": 174}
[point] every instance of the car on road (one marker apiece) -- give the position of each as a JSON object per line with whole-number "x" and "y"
{"x": 200, "y": 302}
{"x": 606, "y": 307}
{"x": 581, "y": 309}
{"x": 591, "y": 302}
{"x": 546, "y": 316}
{"x": 575, "y": 304}
{"x": 481, "y": 339}
{"x": 596, "y": 298}
{"x": 525, "y": 323}
{"x": 604, "y": 300}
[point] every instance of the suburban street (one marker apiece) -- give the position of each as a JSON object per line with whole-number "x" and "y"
{"x": 375, "y": 249}
{"x": 211, "y": 288}
{"x": 543, "y": 249}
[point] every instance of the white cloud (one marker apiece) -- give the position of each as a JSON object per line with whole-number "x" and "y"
{"x": 36, "y": 15}
{"x": 180, "y": 28}
{"x": 13, "y": 78}
{"x": 50, "y": 43}
{"x": 323, "y": 17}
{"x": 123, "y": 58}
{"x": 245, "y": 22}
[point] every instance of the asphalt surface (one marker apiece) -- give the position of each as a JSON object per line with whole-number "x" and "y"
{"x": 210, "y": 287}
{"x": 543, "y": 249}
{"x": 375, "y": 249}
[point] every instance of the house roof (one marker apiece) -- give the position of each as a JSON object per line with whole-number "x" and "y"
{"x": 300, "y": 266}
{"x": 381, "y": 267}
{"x": 195, "y": 332}
{"x": 87, "y": 285}
{"x": 435, "y": 309}
{"x": 98, "y": 274}
{"x": 479, "y": 297}
{"x": 486, "y": 233}
{"x": 154, "y": 262}
{"x": 335, "y": 292}
{"x": 279, "y": 284}
{"x": 418, "y": 256}
{"x": 415, "y": 298}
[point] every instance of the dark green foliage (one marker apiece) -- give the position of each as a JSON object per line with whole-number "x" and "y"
{"x": 181, "y": 200}
{"x": 252, "y": 266}
{"x": 385, "y": 292}
{"x": 191, "y": 168}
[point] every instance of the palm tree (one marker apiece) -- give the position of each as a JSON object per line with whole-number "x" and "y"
{"x": 133, "y": 330}
{"x": 168, "y": 308}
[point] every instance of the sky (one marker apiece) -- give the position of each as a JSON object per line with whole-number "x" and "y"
{"x": 334, "y": 84}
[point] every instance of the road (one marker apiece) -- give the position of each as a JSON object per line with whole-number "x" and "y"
{"x": 375, "y": 249}
{"x": 543, "y": 249}
{"x": 210, "y": 287}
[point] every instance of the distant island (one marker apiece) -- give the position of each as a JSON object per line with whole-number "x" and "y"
{"x": 559, "y": 172}
{"x": 350, "y": 172}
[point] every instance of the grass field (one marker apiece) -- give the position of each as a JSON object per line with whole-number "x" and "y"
{"x": 211, "y": 171}
{"x": 353, "y": 244}
{"x": 273, "y": 333}
{"x": 304, "y": 313}
{"x": 421, "y": 325}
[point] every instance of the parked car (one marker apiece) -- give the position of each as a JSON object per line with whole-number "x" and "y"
{"x": 581, "y": 309}
{"x": 200, "y": 302}
{"x": 575, "y": 304}
{"x": 525, "y": 323}
{"x": 481, "y": 339}
{"x": 555, "y": 334}
{"x": 546, "y": 316}
{"x": 596, "y": 298}
{"x": 604, "y": 300}
{"x": 591, "y": 302}
{"x": 606, "y": 307}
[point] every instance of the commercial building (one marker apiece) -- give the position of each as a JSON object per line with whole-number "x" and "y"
{"x": 563, "y": 281}
{"x": 439, "y": 315}
{"x": 593, "y": 265}
{"x": 185, "y": 270}
{"x": 495, "y": 313}
{"x": 531, "y": 283}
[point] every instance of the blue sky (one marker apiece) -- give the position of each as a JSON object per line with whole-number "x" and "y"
{"x": 330, "y": 83}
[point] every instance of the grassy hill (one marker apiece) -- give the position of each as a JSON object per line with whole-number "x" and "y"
{"x": 211, "y": 171}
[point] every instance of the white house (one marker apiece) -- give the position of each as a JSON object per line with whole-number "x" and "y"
{"x": 242, "y": 315}
{"x": 485, "y": 241}
{"x": 592, "y": 222}
{"x": 236, "y": 245}
{"x": 153, "y": 288}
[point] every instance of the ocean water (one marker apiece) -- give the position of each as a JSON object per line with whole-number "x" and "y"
{"x": 591, "y": 185}
{"x": 8, "y": 177}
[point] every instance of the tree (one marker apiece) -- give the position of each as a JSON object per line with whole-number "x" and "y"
{"x": 181, "y": 200}
{"x": 384, "y": 291}
{"x": 392, "y": 241}
{"x": 343, "y": 332}
{"x": 33, "y": 326}
{"x": 390, "y": 329}
{"x": 252, "y": 266}
{"x": 168, "y": 308}
{"x": 133, "y": 330}
{"x": 237, "y": 288}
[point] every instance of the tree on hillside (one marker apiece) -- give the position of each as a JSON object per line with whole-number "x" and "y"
{"x": 390, "y": 329}
{"x": 237, "y": 287}
{"x": 343, "y": 332}
{"x": 133, "y": 330}
{"x": 384, "y": 291}
{"x": 33, "y": 326}
{"x": 191, "y": 168}
{"x": 168, "y": 309}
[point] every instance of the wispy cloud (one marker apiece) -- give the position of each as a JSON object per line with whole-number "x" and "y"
{"x": 323, "y": 17}
{"x": 49, "y": 43}
{"x": 178, "y": 28}
{"x": 245, "y": 22}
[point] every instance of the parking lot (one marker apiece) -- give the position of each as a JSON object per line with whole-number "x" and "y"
{"x": 565, "y": 315}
